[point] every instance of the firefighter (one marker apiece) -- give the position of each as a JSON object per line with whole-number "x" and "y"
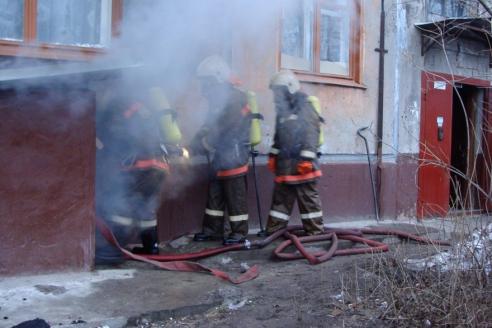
{"x": 224, "y": 139}
{"x": 136, "y": 137}
{"x": 293, "y": 157}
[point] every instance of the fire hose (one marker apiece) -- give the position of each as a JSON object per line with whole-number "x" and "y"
{"x": 173, "y": 263}
{"x": 293, "y": 236}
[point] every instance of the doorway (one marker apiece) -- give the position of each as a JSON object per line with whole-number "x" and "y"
{"x": 466, "y": 150}
{"x": 454, "y": 146}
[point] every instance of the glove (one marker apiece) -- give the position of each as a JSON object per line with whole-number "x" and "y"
{"x": 304, "y": 167}
{"x": 272, "y": 163}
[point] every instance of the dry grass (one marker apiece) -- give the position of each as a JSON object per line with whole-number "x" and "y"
{"x": 402, "y": 297}
{"x": 433, "y": 298}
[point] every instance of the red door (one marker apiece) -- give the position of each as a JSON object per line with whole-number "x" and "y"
{"x": 435, "y": 146}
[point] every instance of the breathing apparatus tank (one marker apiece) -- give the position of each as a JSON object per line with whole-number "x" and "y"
{"x": 168, "y": 125}
{"x": 255, "y": 132}
{"x": 314, "y": 101}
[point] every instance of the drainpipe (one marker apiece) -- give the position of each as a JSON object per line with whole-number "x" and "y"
{"x": 382, "y": 51}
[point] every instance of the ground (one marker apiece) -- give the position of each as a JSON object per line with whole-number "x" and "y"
{"x": 285, "y": 294}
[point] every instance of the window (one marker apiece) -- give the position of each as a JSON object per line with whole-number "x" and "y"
{"x": 440, "y": 9}
{"x": 297, "y": 36}
{"x": 61, "y": 29}
{"x": 321, "y": 38}
{"x": 74, "y": 22}
{"x": 437, "y": 7}
{"x": 334, "y": 42}
{"x": 11, "y": 26}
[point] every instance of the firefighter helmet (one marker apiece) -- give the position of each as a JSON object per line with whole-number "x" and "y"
{"x": 214, "y": 67}
{"x": 286, "y": 78}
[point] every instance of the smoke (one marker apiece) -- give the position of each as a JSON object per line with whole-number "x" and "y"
{"x": 161, "y": 44}
{"x": 168, "y": 39}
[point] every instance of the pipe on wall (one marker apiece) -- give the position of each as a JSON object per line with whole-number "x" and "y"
{"x": 380, "y": 114}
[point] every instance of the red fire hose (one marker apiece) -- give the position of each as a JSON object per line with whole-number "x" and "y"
{"x": 293, "y": 236}
{"x": 175, "y": 265}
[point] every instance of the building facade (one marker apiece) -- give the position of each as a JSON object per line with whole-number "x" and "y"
{"x": 58, "y": 59}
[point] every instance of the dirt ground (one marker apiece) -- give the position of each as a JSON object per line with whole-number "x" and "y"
{"x": 337, "y": 293}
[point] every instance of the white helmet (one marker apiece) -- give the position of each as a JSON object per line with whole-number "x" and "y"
{"x": 215, "y": 67}
{"x": 286, "y": 78}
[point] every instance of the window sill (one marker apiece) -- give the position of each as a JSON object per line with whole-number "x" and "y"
{"x": 328, "y": 80}
{"x": 49, "y": 51}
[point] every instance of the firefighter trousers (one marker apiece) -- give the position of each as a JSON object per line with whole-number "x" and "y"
{"x": 145, "y": 195}
{"x": 227, "y": 194}
{"x": 139, "y": 205}
{"x": 308, "y": 200}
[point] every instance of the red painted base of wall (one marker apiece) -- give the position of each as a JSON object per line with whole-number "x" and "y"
{"x": 47, "y": 167}
{"x": 345, "y": 190}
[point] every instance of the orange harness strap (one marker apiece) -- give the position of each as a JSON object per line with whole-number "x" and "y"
{"x": 232, "y": 172}
{"x": 135, "y": 107}
{"x": 148, "y": 164}
{"x": 245, "y": 111}
{"x": 299, "y": 178}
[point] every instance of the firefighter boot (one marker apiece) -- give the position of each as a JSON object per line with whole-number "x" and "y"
{"x": 213, "y": 219}
{"x": 201, "y": 236}
{"x": 232, "y": 240}
{"x": 239, "y": 232}
{"x": 149, "y": 242}
{"x": 213, "y": 228}
{"x": 106, "y": 253}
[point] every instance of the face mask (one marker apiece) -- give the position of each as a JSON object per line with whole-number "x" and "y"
{"x": 280, "y": 95}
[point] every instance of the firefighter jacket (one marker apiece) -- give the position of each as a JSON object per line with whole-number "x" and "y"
{"x": 296, "y": 139}
{"x": 132, "y": 137}
{"x": 225, "y": 137}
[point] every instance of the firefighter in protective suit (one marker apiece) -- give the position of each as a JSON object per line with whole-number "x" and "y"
{"x": 293, "y": 157}
{"x": 224, "y": 139}
{"x": 136, "y": 138}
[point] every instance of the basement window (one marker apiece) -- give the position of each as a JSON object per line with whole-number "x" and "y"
{"x": 320, "y": 39}
{"x": 58, "y": 29}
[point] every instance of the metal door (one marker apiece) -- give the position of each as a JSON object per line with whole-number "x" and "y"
{"x": 435, "y": 146}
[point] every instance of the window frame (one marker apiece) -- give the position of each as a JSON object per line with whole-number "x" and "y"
{"x": 354, "y": 78}
{"x": 30, "y": 47}
{"x": 451, "y": 8}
